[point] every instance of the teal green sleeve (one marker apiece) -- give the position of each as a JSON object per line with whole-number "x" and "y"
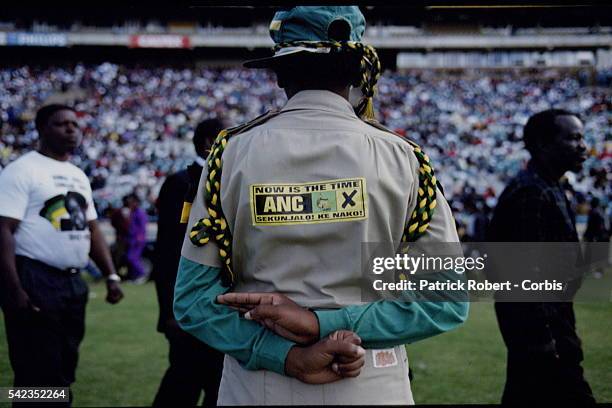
{"x": 387, "y": 323}
{"x": 198, "y": 313}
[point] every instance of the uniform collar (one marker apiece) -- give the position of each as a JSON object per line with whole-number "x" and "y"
{"x": 319, "y": 100}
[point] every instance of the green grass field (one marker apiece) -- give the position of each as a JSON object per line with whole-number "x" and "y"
{"x": 123, "y": 358}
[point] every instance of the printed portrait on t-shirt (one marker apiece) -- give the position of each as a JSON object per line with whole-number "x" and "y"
{"x": 66, "y": 212}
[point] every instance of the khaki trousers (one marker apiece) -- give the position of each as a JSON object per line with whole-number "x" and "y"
{"x": 381, "y": 382}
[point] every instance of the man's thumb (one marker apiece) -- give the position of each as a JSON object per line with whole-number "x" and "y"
{"x": 345, "y": 348}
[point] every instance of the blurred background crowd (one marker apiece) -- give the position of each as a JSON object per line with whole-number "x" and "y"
{"x": 138, "y": 123}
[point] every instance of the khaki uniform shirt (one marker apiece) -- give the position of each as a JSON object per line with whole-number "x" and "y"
{"x": 301, "y": 193}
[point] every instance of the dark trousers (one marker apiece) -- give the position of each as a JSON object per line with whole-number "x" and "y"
{"x": 44, "y": 346}
{"x": 194, "y": 367}
{"x": 537, "y": 377}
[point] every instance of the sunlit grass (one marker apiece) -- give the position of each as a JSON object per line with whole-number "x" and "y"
{"x": 123, "y": 357}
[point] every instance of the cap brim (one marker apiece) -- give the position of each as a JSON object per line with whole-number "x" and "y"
{"x": 279, "y": 55}
{"x": 260, "y": 63}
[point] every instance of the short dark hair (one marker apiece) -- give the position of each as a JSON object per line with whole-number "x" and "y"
{"x": 306, "y": 70}
{"x": 205, "y": 134}
{"x": 319, "y": 71}
{"x": 131, "y": 196}
{"x": 43, "y": 114}
{"x": 542, "y": 128}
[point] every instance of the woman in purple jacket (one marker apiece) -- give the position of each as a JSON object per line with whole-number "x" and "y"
{"x": 136, "y": 239}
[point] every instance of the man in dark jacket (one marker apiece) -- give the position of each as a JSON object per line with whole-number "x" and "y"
{"x": 544, "y": 351}
{"x": 194, "y": 366}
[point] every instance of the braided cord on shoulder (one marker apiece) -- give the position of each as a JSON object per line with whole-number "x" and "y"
{"x": 215, "y": 225}
{"x": 426, "y": 198}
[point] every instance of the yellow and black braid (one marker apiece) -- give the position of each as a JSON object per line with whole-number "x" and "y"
{"x": 370, "y": 68}
{"x": 426, "y": 199}
{"x": 215, "y": 225}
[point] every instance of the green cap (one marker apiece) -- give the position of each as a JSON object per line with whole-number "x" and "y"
{"x": 312, "y": 23}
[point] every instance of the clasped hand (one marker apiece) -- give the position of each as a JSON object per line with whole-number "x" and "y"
{"x": 315, "y": 361}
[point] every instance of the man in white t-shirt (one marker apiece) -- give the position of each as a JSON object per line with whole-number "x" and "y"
{"x": 48, "y": 232}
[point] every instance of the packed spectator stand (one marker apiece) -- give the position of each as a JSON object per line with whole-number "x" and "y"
{"x": 137, "y": 122}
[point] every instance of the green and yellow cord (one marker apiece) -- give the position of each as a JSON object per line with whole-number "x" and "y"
{"x": 215, "y": 225}
{"x": 426, "y": 198}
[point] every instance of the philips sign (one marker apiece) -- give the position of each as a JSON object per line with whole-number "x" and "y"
{"x": 36, "y": 40}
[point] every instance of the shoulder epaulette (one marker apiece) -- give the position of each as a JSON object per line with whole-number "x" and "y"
{"x": 379, "y": 126}
{"x": 261, "y": 119}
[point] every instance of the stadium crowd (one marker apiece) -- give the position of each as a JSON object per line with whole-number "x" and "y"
{"x": 138, "y": 122}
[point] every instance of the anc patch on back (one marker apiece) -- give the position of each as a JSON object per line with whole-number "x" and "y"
{"x": 309, "y": 203}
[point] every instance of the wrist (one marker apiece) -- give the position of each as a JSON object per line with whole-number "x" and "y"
{"x": 293, "y": 362}
{"x": 113, "y": 278}
{"x": 315, "y": 335}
